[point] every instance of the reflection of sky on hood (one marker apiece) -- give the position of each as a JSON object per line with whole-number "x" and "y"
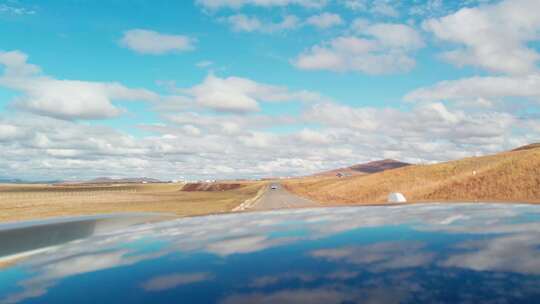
{"x": 411, "y": 254}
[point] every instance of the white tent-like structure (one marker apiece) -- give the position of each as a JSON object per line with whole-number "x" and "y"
{"x": 396, "y": 197}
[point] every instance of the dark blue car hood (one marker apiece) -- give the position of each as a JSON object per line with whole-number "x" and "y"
{"x": 425, "y": 253}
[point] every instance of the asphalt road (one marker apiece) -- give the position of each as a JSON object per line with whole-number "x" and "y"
{"x": 280, "y": 198}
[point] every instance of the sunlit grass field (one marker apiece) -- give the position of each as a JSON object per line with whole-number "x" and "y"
{"x": 509, "y": 176}
{"x": 25, "y": 202}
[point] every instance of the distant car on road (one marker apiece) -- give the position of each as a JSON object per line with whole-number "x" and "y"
{"x": 273, "y": 187}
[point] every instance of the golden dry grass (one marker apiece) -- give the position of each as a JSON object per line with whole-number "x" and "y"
{"x": 24, "y": 202}
{"x": 510, "y": 176}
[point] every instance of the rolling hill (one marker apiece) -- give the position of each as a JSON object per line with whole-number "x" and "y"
{"x": 507, "y": 176}
{"x": 366, "y": 168}
{"x": 528, "y": 147}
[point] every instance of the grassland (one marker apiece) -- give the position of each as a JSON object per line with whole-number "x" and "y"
{"x": 510, "y": 176}
{"x": 25, "y": 202}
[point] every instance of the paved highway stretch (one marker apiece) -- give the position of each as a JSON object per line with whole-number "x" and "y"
{"x": 276, "y": 197}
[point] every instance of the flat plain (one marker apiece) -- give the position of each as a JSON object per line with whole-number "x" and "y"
{"x": 26, "y": 202}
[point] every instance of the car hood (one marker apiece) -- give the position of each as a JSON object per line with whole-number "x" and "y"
{"x": 379, "y": 254}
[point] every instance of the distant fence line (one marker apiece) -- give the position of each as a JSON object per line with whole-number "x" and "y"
{"x": 62, "y": 193}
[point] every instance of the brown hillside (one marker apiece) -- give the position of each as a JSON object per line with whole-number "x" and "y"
{"x": 528, "y": 147}
{"x": 379, "y": 166}
{"x": 367, "y": 168}
{"x": 509, "y": 176}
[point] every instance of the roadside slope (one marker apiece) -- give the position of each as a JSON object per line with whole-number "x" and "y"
{"x": 508, "y": 176}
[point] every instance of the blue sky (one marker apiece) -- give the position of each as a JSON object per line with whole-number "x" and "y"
{"x": 248, "y": 88}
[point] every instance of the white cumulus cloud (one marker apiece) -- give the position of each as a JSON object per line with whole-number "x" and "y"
{"x": 65, "y": 99}
{"x": 381, "y": 48}
{"x": 325, "y": 20}
{"x": 244, "y": 23}
{"x": 493, "y": 37}
{"x": 385, "y": 8}
{"x": 236, "y": 94}
{"x": 480, "y": 87}
{"x": 154, "y": 43}
{"x": 236, "y": 4}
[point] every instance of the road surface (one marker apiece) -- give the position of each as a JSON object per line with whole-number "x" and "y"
{"x": 276, "y": 197}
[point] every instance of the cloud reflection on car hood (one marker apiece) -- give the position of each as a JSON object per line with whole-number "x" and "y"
{"x": 414, "y": 253}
